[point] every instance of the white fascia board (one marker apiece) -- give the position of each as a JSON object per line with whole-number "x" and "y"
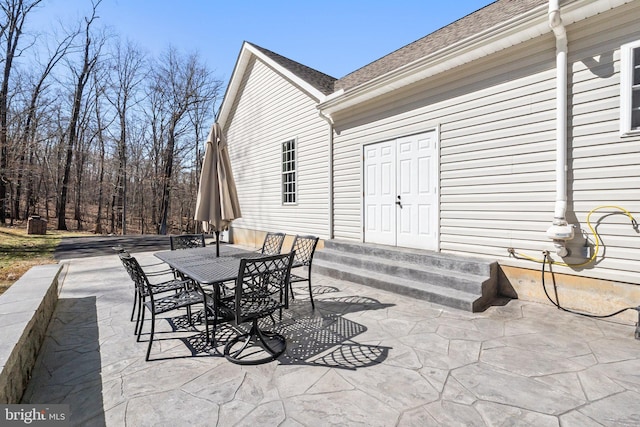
{"x": 234, "y": 84}
{"x": 525, "y": 27}
{"x": 303, "y": 84}
{"x": 245, "y": 55}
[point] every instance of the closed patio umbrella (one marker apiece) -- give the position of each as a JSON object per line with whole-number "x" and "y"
{"x": 217, "y": 203}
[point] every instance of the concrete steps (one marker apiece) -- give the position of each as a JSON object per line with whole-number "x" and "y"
{"x": 465, "y": 283}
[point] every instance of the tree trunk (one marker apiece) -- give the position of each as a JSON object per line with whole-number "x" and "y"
{"x": 15, "y": 13}
{"x": 87, "y": 67}
{"x": 122, "y": 170}
{"x": 98, "y": 227}
{"x": 166, "y": 179}
{"x": 61, "y": 207}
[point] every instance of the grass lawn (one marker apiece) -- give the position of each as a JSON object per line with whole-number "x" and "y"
{"x": 20, "y": 251}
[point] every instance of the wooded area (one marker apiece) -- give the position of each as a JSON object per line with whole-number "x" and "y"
{"x": 95, "y": 134}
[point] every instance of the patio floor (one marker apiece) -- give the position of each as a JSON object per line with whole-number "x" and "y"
{"x": 363, "y": 357}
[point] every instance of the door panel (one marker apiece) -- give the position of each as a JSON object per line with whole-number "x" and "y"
{"x": 380, "y": 193}
{"x": 416, "y": 225}
{"x": 404, "y": 171}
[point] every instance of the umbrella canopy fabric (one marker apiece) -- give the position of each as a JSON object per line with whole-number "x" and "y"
{"x": 217, "y": 203}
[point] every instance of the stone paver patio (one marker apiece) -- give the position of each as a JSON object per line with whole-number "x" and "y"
{"x": 364, "y": 357}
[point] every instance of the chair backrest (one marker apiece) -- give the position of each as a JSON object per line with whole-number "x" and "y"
{"x": 187, "y": 241}
{"x": 135, "y": 272}
{"x": 272, "y": 244}
{"x": 304, "y": 247}
{"x": 262, "y": 286}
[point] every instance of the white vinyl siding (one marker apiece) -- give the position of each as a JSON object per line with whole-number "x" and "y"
{"x": 268, "y": 111}
{"x": 605, "y": 166}
{"x": 480, "y": 145}
{"x": 497, "y": 138}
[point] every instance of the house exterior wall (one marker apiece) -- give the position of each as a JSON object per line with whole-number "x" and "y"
{"x": 268, "y": 111}
{"x": 605, "y": 167}
{"x": 496, "y": 118}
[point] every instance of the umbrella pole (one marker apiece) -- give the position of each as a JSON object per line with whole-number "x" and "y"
{"x": 217, "y": 243}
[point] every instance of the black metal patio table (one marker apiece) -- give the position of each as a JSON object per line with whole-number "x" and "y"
{"x": 203, "y": 266}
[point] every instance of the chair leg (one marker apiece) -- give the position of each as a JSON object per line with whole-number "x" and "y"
{"x": 140, "y": 317}
{"x": 259, "y": 338}
{"x": 265, "y": 337}
{"x": 153, "y": 324}
{"x": 139, "y": 325}
{"x": 206, "y": 323}
{"x": 135, "y": 303}
{"x": 313, "y": 306}
{"x": 138, "y": 307}
{"x": 232, "y": 356}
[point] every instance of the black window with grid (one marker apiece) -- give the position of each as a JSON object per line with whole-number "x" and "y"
{"x": 289, "y": 181}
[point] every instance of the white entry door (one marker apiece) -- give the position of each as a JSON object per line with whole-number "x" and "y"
{"x": 401, "y": 200}
{"x": 380, "y": 193}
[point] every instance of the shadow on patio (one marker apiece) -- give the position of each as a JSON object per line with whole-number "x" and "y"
{"x": 74, "y": 375}
{"x": 321, "y": 337}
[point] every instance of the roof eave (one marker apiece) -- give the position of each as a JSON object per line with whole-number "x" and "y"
{"x": 234, "y": 85}
{"x": 246, "y": 53}
{"x": 524, "y": 27}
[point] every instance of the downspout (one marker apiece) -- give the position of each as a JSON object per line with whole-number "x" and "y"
{"x": 329, "y": 120}
{"x": 560, "y": 231}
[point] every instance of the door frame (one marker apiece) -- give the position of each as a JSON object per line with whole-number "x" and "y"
{"x": 436, "y": 131}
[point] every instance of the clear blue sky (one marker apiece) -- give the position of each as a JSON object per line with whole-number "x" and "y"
{"x": 333, "y": 36}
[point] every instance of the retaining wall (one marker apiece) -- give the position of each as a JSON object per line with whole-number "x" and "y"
{"x": 25, "y": 311}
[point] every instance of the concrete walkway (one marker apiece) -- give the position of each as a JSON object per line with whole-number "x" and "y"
{"x": 364, "y": 357}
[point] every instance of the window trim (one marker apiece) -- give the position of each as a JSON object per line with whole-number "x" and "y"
{"x": 284, "y": 172}
{"x": 626, "y": 83}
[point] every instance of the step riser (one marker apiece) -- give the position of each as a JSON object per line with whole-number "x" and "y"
{"x": 410, "y": 292}
{"x": 459, "y": 282}
{"x": 425, "y": 259}
{"x": 404, "y": 270}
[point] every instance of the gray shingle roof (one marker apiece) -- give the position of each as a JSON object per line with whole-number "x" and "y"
{"x": 480, "y": 20}
{"x": 474, "y": 23}
{"x": 323, "y": 82}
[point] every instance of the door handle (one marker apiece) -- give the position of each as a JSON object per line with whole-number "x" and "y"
{"x": 399, "y": 202}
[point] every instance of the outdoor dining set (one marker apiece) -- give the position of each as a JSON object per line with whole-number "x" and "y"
{"x": 227, "y": 284}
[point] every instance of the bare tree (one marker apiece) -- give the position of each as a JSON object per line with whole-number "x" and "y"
{"x": 199, "y": 117}
{"x": 87, "y": 134}
{"x": 180, "y": 83}
{"x": 128, "y": 155}
{"x": 14, "y": 14}
{"x": 101, "y": 124}
{"x": 129, "y": 72}
{"x": 28, "y": 137}
{"x": 90, "y": 58}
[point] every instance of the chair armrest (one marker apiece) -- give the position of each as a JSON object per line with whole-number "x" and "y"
{"x": 153, "y": 265}
{"x": 159, "y": 272}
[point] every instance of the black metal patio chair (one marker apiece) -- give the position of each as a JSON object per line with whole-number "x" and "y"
{"x": 304, "y": 248}
{"x": 187, "y": 241}
{"x": 272, "y": 244}
{"x": 189, "y": 293}
{"x": 261, "y": 289}
{"x": 140, "y": 293}
{"x": 150, "y": 269}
